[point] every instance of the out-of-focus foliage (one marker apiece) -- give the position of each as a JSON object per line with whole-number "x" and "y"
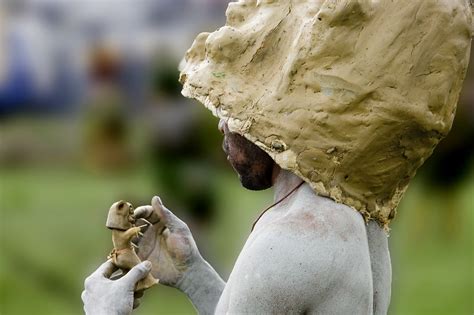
{"x": 90, "y": 113}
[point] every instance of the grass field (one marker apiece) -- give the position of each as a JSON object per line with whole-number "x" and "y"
{"x": 53, "y": 236}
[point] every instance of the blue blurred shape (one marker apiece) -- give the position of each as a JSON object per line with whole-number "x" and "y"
{"x": 18, "y": 88}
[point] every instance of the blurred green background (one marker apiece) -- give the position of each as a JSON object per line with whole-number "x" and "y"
{"x": 60, "y": 172}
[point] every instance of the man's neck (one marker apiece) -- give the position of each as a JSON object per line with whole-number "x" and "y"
{"x": 283, "y": 183}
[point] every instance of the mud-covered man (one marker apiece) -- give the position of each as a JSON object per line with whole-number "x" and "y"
{"x": 307, "y": 255}
{"x": 333, "y": 103}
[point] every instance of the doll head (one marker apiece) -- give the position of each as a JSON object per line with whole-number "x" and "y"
{"x": 120, "y": 216}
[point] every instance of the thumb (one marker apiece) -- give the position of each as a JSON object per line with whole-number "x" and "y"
{"x": 137, "y": 273}
{"x": 165, "y": 216}
{"x": 163, "y": 213}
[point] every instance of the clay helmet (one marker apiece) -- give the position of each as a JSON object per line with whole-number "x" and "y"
{"x": 352, "y": 95}
{"x": 120, "y": 216}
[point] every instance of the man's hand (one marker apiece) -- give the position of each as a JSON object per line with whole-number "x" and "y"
{"x": 168, "y": 244}
{"x": 105, "y": 296}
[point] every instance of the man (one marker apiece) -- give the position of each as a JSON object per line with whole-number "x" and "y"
{"x": 335, "y": 104}
{"x": 308, "y": 254}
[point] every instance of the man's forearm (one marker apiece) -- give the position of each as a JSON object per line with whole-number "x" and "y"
{"x": 203, "y": 286}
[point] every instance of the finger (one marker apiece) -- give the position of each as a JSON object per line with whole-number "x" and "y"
{"x": 137, "y": 273}
{"x": 166, "y": 217}
{"x": 156, "y": 200}
{"x": 104, "y": 270}
{"x": 160, "y": 209}
{"x": 146, "y": 212}
{"x": 143, "y": 212}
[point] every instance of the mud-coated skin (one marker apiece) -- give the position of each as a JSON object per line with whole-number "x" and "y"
{"x": 104, "y": 296}
{"x": 381, "y": 267}
{"x": 306, "y": 255}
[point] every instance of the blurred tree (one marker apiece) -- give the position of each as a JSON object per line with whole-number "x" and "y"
{"x": 182, "y": 148}
{"x": 106, "y": 119}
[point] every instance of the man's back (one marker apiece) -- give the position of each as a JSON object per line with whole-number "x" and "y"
{"x": 310, "y": 255}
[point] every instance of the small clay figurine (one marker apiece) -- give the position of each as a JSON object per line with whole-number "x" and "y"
{"x": 122, "y": 223}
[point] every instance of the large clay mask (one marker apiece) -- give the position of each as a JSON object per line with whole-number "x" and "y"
{"x": 350, "y": 95}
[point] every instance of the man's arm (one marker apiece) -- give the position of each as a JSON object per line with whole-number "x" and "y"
{"x": 381, "y": 267}
{"x": 203, "y": 286}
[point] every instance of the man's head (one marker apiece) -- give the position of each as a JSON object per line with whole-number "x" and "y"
{"x": 253, "y": 165}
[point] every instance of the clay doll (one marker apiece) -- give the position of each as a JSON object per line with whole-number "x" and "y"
{"x": 122, "y": 223}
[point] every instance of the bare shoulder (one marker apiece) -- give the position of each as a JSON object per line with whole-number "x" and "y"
{"x": 303, "y": 258}
{"x": 323, "y": 238}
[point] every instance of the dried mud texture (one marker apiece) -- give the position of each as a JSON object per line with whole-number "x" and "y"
{"x": 352, "y": 96}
